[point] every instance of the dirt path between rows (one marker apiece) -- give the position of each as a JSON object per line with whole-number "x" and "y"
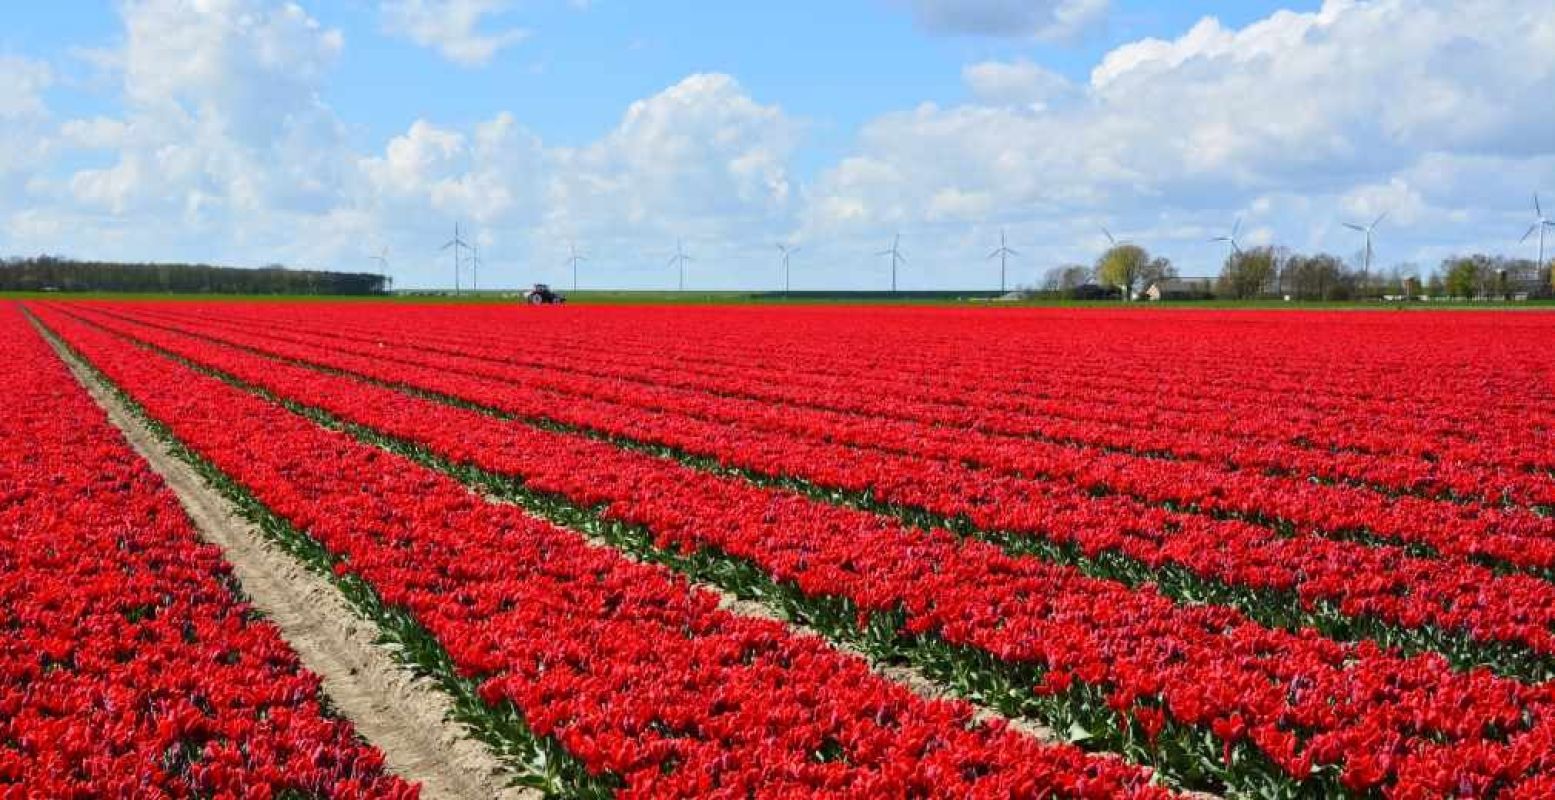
{"x": 403, "y": 716}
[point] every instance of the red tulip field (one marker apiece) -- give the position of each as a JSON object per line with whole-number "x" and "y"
{"x": 794, "y": 551}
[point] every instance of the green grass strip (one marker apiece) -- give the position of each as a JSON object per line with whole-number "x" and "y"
{"x": 538, "y": 762}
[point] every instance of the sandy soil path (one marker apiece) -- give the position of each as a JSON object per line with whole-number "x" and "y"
{"x": 405, "y": 717}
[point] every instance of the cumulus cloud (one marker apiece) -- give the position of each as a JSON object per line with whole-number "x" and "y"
{"x": 1039, "y": 19}
{"x": 454, "y": 28}
{"x": 1016, "y": 83}
{"x": 23, "y": 115}
{"x": 1354, "y": 107}
{"x": 700, "y": 155}
{"x": 222, "y": 122}
{"x": 224, "y": 150}
{"x": 22, "y": 82}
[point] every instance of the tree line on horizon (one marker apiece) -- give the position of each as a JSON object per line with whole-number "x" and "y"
{"x": 1128, "y": 270}
{"x": 58, "y": 274}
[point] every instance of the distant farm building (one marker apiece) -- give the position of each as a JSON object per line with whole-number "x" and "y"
{"x": 1181, "y": 289}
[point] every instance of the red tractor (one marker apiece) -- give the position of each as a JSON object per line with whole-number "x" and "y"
{"x": 542, "y": 295}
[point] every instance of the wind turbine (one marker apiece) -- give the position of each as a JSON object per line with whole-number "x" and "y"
{"x": 1231, "y": 239}
{"x": 1112, "y": 241}
{"x": 456, "y": 244}
{"x": 680, "y": 258}
{"x": 573, "y": 260}
{"x": 1540, "y": 222}
{"x": 475, "y": 268}
{"x": 896, "y": 258}
{"x": 1367, "y": 229}
{"x": 382, "y": 260}
{"x": 1003, "y": 254}
{"x": 787, "y": 252}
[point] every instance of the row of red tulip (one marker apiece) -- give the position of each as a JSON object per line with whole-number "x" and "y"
{"x": 1413, "y": 725}
{"x": 127, "y": 666}
{"x": 635, "y": 674}
{"x": 1053, "y": 348}
{"x": 1515, "y": 535}
{"x": 1359, "y": 580}
{"x": 1258, "y": 431}
{"x": 1110, "y": 415}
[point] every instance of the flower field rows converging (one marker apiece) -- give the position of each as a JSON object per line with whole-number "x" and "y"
{"x": 1344, "y": 716}
{"x": 1235, "y": 410}
{"x": 1446, "y": 603}
{"x": 128, "y": 668}
{"x": 641, "y": 680}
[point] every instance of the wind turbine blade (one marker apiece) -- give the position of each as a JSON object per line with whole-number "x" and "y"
{"x": 1236, "y": 227}
{"x": 1352, "y": 226}
{"x": 995, "y": 254}
{"x": 1012, "y": 252}
{"x": 901, "y": 258}
{"x": 1531, "y": 229}
{"x": 1109, "y": 236}
{"x": 1380, "y": 218}
{"x": 1536, "y": 208}
{"x": 884, "y": 253}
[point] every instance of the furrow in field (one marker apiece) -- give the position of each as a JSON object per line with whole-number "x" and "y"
{"x": 1463, "y": 610}
{"x": 977, "y": 436}
{"x": 1317, "y": 708}
{"x": 1075, "y": 414}
{"x": 826, "y": 348}
{"x": 646, "y": 683}
{"x": 130, "y": 662}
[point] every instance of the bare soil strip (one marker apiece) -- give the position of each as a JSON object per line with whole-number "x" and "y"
{"x": 405, "y": 717}
{"x": 402, "y": 716}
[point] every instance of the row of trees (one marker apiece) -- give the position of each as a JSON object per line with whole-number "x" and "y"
{"x": 1128, "y": 271}
{"x": 1125, "y": 269}
{"x": 51, "y": 273}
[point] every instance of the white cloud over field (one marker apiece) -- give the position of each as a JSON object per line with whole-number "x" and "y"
{"x": 457, "y": 29}
{"x": 222, "y": 147}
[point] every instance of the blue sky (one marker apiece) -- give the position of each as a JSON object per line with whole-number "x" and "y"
{"x": 247, "y": 131}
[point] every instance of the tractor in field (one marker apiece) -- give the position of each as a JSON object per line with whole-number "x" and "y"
{"x": 542, "y": 295}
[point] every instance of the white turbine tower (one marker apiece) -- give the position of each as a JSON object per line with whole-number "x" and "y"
{"x": 573, "y": 260}
{"x": 382, "y": 260}
{"x": 1003, "y": 254}
{"x": 457, "y": 244}
{"x": 475, "y": 268}
{"x": 679, "y": 259}
{"x": 1367, "y": 230}
{"x": 787, "y": 252}
{"x": 896, "y": 258}
{"x": 1540, "y": 222}
{"x": 1230, "y": 239}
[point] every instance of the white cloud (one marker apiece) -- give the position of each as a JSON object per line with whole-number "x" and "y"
{"x": 225, "y": 151}
{"x": 699, "y": 158}
{"x": 23, "y": 116}
{"x": 1039, "y": 19}
{"x": 1016, "y": 83}
{"x": 222, "y": 129}
{"x": 453, "y": 28}
{"x": 97, "y": 133}
{"x": 1393, "y": 103}
{"x": 22, "y": 82}
{"x": 494, "y": 176}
